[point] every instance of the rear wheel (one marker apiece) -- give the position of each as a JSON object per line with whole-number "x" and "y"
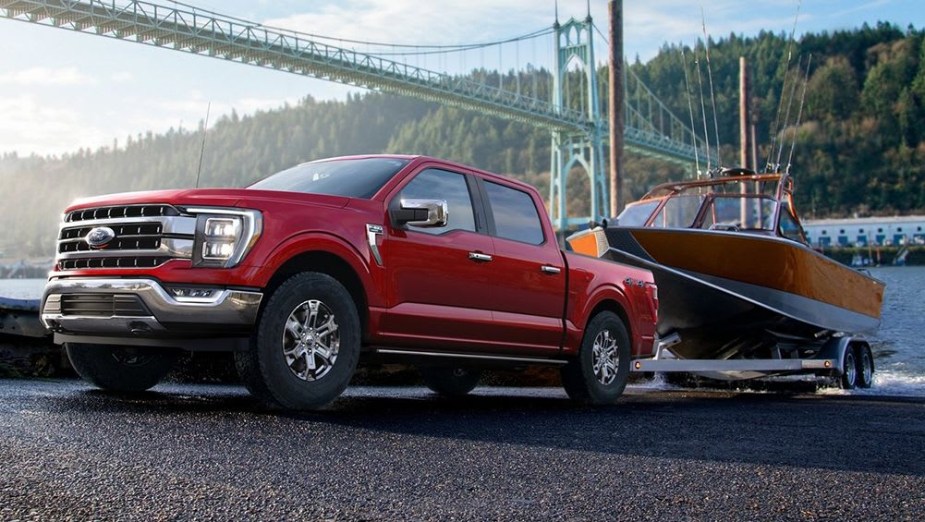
{"x": 118, "y": 368}
{"x": 450, "y": 381}
{"x": 849, "y": 375}
{"x": 306, "y": 346}
{"x": 599, "y": 373}
{"x": 865, "y": 360}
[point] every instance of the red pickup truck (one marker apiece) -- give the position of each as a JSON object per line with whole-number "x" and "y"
{"x": 312, "y": 269}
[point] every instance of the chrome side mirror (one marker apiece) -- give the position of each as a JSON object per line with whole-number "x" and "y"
{"x": 421, "y": 213}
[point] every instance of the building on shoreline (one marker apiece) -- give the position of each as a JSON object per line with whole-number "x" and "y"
{"x": 863, "y": 232}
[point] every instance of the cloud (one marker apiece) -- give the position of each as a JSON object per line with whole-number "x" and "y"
{"x": 122, "y": 77}
{"x": 44, "y": 76}
{"x": 35, "y": 125}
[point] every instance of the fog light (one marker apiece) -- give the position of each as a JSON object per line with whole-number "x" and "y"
{"x": 182, "y": 293}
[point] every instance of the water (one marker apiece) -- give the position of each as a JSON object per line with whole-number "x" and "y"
{"x": 22, "y": 288}
{"x": 898, "y": 351}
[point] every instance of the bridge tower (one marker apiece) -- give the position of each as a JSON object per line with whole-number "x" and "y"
{"x": 574, "y": 46}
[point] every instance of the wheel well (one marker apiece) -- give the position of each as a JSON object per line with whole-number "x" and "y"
{"x": 613, "y": 306}
{"x": 325, "y": 263}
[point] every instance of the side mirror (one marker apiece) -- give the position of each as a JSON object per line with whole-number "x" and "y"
{"x": 420, "y": 213}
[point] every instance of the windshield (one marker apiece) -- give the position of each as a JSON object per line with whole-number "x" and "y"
{"x": 353, "y": 178}
{"x": 636, "y": 214}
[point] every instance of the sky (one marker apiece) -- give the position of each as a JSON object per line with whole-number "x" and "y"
{"x": 62, "y": 90}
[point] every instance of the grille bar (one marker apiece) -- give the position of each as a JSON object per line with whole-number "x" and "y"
{"x": 121, "y": 211}
{"x": 103, "y": 305}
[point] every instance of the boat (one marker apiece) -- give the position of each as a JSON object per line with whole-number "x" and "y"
{"x": 736, "y": 276}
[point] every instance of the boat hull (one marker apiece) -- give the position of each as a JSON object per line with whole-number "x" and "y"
{"x": 729, "y": 293}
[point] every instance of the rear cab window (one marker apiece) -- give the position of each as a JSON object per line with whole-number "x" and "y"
{"x": 515, "y": 214}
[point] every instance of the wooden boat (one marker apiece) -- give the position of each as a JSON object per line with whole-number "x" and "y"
{"x": 736, "y": 277}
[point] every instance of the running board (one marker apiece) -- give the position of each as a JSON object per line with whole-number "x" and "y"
{"x": 479, "y": 357}
{"x": 732, "y": 365}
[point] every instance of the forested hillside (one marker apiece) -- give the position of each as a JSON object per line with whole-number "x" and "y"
{"x": 859, "y": 149}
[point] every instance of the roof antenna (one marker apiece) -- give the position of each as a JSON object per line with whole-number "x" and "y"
{"x": 793, "y": 143}
{"x": 706, "y": 44}
{"x": 202, "y": 146}
{"x": 690, "y": 109}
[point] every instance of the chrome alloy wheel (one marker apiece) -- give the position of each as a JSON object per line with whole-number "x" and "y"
{"x": 605, "y": 358}
{"x": 311, "y": 340}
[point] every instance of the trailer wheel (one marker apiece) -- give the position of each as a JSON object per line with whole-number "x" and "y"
{"x": 599, "y": 373}
{"x": 306, "y": 346}
{"x": 450, "y": 381}
{"x": 118, "y": 368}
{"x": 849, "y": 373}
{"x": 865, "y": 360}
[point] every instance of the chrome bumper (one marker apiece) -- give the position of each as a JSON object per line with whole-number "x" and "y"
{"x": 147, "y": 310}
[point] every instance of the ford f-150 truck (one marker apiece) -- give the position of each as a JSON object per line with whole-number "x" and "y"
{"x": 312, "y": 269}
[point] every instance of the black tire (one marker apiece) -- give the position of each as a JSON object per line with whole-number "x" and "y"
{"x": 450, "y": 381}
{"x": 849, "y": 374}
{"x": 579, "y": 378}
{"x": 118, "y": 368}
{"x": 865, "y": 360}
{"x": 310, "y": 299}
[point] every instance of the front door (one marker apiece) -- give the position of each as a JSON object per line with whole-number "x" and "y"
{"x": 439, "y": 277}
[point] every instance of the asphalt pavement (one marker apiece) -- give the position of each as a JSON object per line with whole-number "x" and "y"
{"x": 192, "y": 452}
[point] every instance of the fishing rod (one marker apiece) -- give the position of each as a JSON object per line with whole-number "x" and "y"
{"x": 703, "y": 112}
{"x": 793, "y": 142}
{"x": 783, "y": 90}
{"x": 706, "y": 44}
{"x": 690, "y": 108}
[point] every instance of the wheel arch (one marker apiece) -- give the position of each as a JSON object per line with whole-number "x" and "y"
{"x": 611, "y": 304}
{"x": 329, "y": 263}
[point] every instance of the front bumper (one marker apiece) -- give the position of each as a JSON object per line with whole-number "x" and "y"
{"x": 142, "y": 308}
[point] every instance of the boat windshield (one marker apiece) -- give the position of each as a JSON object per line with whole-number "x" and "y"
{"x": 636, "y": 214}
{"x": 739, "y": 212}
{"x": 679, "y": 211}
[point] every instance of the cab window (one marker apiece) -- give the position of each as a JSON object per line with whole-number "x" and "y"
{"x": 516, "y": 217}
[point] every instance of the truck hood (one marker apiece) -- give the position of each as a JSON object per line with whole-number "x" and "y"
{"x": 223, "y": 197}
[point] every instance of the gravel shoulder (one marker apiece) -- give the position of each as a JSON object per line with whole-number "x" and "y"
{"x": 185, "y": 452}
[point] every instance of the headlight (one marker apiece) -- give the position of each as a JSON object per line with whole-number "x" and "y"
{"x": 224, "y": 235}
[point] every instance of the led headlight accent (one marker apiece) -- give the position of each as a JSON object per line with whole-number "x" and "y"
{"x": 224, "y": 235}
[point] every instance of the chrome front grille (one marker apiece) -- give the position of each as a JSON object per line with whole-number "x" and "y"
{"x": 143, "y": 236}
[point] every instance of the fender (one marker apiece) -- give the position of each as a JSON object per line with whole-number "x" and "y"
{"x": 317, "y": 241}
{"x": 579, "y": 313}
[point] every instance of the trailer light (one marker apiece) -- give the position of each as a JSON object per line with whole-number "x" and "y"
{"x": 827, "y": 364}
{"x": 637, "y": 364}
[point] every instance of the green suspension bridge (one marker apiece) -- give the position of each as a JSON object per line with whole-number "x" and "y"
{"x": 578, "y": 124}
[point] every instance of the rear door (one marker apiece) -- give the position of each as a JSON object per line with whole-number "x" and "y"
{"x": 528, "y": 270}
{"x": 439, "y": 277}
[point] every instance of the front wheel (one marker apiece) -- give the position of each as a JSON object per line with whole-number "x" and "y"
{"x": 599, "y": 373}
{"x": 118, "y": 368}
{"x": 306, "y": 346}
{"x": 450, "y": 381}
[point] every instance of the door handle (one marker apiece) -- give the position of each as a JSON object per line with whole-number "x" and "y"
{"x": 546, "y": 269}
{"x": 478, "y": 256}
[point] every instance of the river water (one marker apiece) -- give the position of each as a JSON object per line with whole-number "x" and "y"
{"x": 898, "y": 345}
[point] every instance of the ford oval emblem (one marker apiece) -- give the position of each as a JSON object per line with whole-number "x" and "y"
{"x": 100, "y": 236}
